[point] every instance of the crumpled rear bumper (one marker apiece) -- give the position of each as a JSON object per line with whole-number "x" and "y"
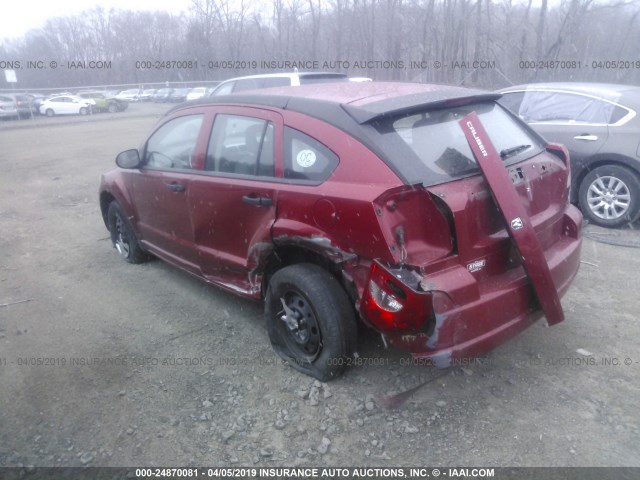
{"x": 505, "y": 306}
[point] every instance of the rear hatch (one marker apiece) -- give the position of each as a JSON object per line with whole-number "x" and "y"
{"x": 452, "y": 180}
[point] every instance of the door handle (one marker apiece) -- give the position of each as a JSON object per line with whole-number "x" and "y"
{"x": 257, "y": 201}
{"x": 176, "y": 187}
{"x": 586, "y": 136}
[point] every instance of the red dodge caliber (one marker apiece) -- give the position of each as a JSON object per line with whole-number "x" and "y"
{"x": 430, "y": 213}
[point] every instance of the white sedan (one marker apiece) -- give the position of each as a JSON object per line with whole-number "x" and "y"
{"x": 66, "y": 105}
{"x": 196, "y": 93}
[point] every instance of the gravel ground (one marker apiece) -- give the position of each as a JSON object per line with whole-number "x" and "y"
{"x": 110, "y": 364}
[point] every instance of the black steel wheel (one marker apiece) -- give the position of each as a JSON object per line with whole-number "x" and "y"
{"x": 310, "y": 320}
{"x": 122, "y": 236}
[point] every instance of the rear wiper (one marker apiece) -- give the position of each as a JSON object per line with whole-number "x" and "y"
{"x": 507, "y": 152}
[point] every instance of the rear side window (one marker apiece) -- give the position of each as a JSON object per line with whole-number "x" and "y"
{"x": 305, "y": 158}
{"x": 557, "y": 107}
{"x": 241, "y": 145}
{"x": 618, "y": 114}
{"x": 430, "y": 147}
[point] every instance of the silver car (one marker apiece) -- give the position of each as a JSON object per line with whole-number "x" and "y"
{"x": 600, "y": 126}
{"x": 8, "y": 107}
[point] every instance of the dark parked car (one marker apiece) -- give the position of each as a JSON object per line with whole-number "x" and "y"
{"x": 162, "y": 95}
{"x": 147, "y": 94}
{"x": 24, "y": 104}
{"x": 347, "y": 202}
{"x": 8, "y": 107}
{"x": 179, "y": 95}
{"x": 599, "y": 125}
{"x": 37, "y": 99}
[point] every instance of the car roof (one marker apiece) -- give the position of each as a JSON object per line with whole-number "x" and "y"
{"x": 349, "y": 106}
{"x": 362, "y": 101}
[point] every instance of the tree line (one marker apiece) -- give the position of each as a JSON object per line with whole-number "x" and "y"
{"x": 484, "y": 43}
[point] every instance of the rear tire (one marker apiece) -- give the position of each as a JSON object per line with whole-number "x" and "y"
{"x": 316, "y": 332}
{"x": 84, "y": 111}
{"x": 609, "y": 196}
{"x": 122, "y": 236}
{"x": 113, "y": 108}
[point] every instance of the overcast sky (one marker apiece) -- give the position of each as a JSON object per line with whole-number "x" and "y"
{"x": 20, "y": 16}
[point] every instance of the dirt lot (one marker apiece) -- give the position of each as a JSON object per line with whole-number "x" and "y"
{"x": 145, "y": 365}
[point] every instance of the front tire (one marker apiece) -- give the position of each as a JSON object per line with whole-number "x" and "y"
{"x": 84, "y": 111}
{"x": 50, "y": 112}
{"x": 113, "y": 108}
{"x": 122, "y": 236}
{"x": 609, "y": 196}
{"x": 310, "y": 320}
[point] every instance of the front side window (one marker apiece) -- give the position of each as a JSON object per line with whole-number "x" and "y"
{"x": 241, "y": 145}
{"x": 173, "y": 145}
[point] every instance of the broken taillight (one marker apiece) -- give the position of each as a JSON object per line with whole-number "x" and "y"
{"x": 391, "y": 303}
{"x": 384, "y": 300}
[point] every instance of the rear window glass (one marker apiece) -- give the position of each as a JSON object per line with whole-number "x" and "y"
{"x": 431, "y": 146}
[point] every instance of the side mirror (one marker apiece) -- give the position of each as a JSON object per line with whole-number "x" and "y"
{"x": 128, "y": 159}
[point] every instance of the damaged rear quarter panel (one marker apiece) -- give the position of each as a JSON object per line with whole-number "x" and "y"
{"x": 337, "y": 218}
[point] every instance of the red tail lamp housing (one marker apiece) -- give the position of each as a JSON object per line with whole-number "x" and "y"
{"x": 391, "y": 303}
